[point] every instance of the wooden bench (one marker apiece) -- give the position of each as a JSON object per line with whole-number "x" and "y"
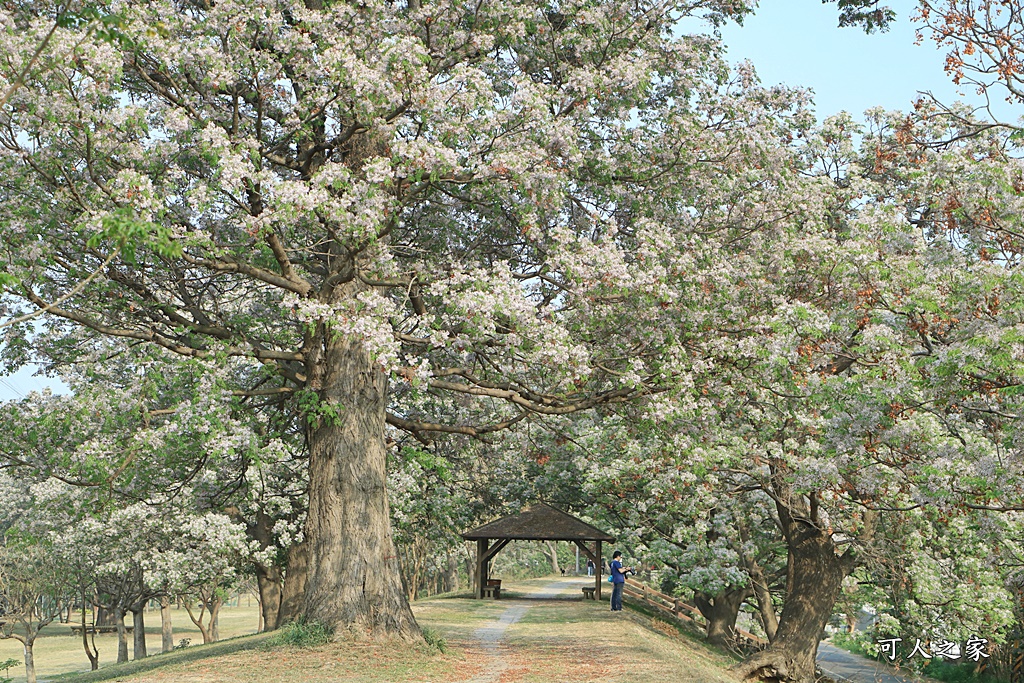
{"x": 588, "y": 592}
{"x": 76, "y": 629}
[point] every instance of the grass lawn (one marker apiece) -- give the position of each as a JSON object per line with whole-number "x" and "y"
{"x": 57, "y": 651}
{"x": 563, "y": 641}
{"x": 583, "y": 641}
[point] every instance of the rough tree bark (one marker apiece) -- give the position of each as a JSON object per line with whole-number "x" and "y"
{"x": 294, "y": 590}
{"x": 269, "y": 580}
{"x": 816, "y": 577}
{"x": 721, "y": 611}
{"x": 354, "y": 581}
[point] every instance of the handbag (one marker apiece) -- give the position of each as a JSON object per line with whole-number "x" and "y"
{"x": 611, "y": 579}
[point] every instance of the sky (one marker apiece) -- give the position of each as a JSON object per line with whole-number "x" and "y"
{"x": 796, "y": 43}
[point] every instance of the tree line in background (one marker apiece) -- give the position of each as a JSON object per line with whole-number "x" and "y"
{"x": 331, "y": 282}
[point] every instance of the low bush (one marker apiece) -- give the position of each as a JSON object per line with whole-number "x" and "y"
{"x": 7, "y": 665}
{"x": 957, "y": 673}
{"x": 435, "y": 640}
{"x": 859, "y": 643}
{"x": 303, "y": 634}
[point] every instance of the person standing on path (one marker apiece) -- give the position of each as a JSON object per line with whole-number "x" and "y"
{"x": 590, "y": 567}
{"x": 618, "y": 573}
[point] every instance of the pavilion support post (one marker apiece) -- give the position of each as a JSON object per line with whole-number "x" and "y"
{"x": 597, "y": 574}
{"x": 481, "y": 567}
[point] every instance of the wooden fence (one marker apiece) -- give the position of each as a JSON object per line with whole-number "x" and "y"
{"x": 682, "y": 611}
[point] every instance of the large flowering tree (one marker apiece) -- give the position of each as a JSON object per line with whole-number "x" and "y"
{"x": 384, "y": 213}
{"x": 880, "y": 400}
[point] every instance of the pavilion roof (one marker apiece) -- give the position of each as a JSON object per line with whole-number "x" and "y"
{"x": 539, "y": 522}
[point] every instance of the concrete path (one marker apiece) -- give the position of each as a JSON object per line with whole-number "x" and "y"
{"x": 490, "y": 635}
{"x": 850, "y": 668}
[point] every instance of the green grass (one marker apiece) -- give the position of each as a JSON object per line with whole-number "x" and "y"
{"x": 302, "y": 634}
{"x": 564, "y": 640}
{"x": 193, "y": 653}
{"x": 58, "y": 652}
{"x": 957, "y": 673}
{"x": 852, "y": 643}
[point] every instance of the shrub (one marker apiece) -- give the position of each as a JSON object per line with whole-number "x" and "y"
{"x": 957, "y": 673}
{"x": 303, "y": 633}
{"x": 435, "y": 640}
{"x": 7, "y": 665}
{"x": 859, "y": 643}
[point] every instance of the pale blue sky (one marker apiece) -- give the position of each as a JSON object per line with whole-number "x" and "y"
{"x": 797, "y": 43}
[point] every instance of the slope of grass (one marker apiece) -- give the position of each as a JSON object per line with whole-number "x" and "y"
{"x": 186, "y": 656}
{"x": 569, "y": 641}
{"x": 58, "y": 651}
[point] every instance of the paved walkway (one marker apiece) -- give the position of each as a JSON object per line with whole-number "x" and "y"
{"x": 490, "y": 635}
{"x": 850, "y": 668}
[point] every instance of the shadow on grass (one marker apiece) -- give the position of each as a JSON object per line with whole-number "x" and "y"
{"x": 689, "y": 632}
{"x": 189, "y": 654}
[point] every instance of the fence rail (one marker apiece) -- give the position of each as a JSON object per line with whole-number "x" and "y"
{"x": 679, "y": 609}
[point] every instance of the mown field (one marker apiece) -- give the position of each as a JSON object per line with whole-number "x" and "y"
{"x": 58, "y": 651}
{"x": 564, "y": 640}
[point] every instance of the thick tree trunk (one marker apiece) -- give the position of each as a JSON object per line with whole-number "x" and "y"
{"x": 354, "y": 582}
{"x": 30, "y": 660}
{"x": 122, "y": 639}
{"x": 294, "y": 591}
{"x": 269, "y": 581}
{"x": 139, "y": 632}
{"x": 721, "y": 612}
{"x": 105, "y": 617}
{"x": 166, "y": 627}
{"x": 817, "y": 577}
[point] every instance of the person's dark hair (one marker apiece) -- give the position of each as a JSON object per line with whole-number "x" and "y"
{"x": 617, "y": 553}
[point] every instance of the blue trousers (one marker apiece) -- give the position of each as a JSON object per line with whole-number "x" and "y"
{"x": 617, "y": 596}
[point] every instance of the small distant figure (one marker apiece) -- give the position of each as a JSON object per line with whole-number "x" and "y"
{"x": 563, "y": 570}
{"x": 590, "y": 567}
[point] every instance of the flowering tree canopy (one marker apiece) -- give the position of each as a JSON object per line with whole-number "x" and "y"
{"x": 369, "y": 208}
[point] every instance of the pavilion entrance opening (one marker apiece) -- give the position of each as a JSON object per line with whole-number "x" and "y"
{"x": 539, "y": 522}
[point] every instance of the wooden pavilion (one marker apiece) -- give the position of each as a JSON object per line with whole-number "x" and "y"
{"x": 539, "y": 522}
